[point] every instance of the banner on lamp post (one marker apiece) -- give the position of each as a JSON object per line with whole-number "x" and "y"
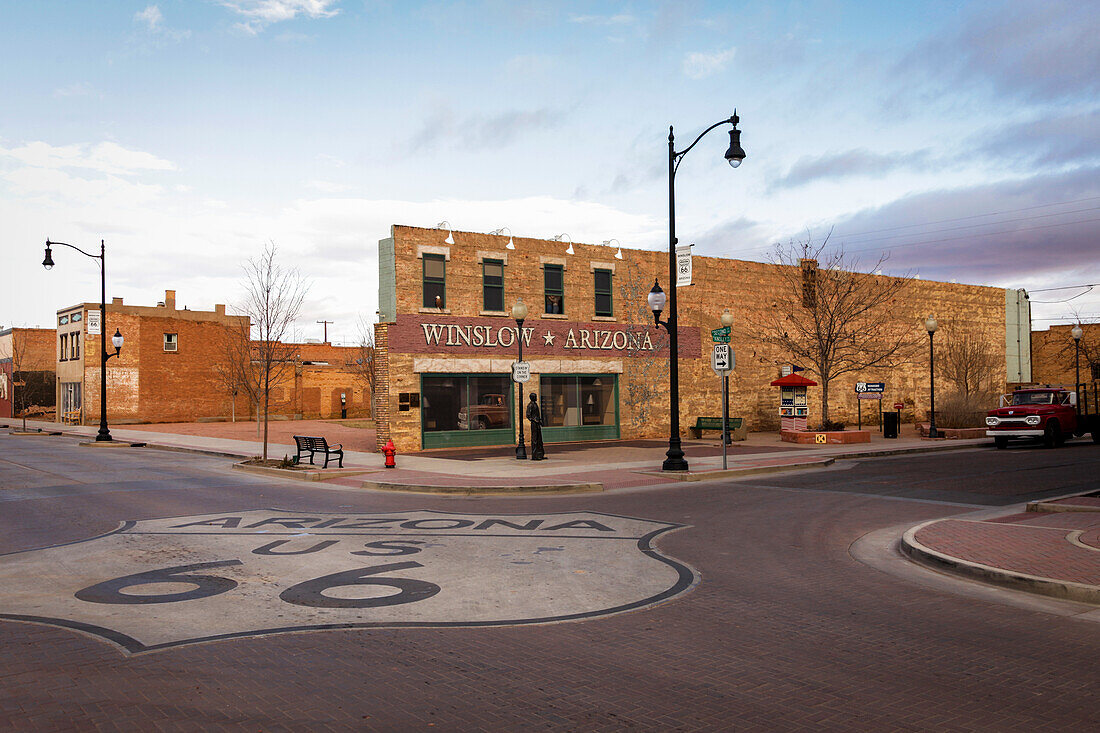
{"x": 683, "y": 265}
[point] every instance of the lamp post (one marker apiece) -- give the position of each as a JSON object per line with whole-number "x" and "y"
{"x": 519, "y": 312}
{"x": 1077, "y": 333}
{"x": 930, "y": 325}
{"x": 674, "y": 460}
{"x": 727, "y": 321}
{"x": 104, "y": 433}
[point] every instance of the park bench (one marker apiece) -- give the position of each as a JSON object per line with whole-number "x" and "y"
{"x": 316, "y": 444}
{"x": 738, "y": 429}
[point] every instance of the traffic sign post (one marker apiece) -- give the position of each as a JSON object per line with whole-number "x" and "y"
{"x": 720, "y": 335}
{"x": 722, "y": 362}
{"x": 521, "y": 371}
{"x": 868, "y": 391}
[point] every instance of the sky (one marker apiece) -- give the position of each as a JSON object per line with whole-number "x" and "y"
{"x": 961, "y": 140}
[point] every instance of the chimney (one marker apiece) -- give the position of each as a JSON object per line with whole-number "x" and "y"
{"x": 116, "y": 301}
{"x": 170, "y": 299}
{"x": 219, "y": 309}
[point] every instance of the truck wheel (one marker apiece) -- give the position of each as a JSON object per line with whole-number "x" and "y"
{"x": 1001, "y": 443}
{"x": 482, "y": 423}
{"x": 1052, "y": 436}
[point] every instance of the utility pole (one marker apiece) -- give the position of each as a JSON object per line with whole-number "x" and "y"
{"x": 326, "y": 328}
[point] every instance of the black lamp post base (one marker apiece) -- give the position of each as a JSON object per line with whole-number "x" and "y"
{"x": 521, "y": 452}
{"x": 674, "y": 460}
{"x": 103, "y": 436}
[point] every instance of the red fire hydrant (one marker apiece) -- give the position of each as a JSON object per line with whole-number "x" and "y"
{"x": 390, "y": 451}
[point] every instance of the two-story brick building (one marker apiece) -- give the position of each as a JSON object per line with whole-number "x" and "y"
{"x": 447, "y": 339}
{"x": 172, "y": 368}
{"x": 26, "y": 372}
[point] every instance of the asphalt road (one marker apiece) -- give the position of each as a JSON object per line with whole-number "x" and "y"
{"x": 784, "y": 631}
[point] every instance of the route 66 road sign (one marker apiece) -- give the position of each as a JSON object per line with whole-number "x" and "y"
{"x": 159, "y": 583}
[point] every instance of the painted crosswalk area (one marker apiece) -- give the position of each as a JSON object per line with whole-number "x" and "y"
{"x": 158, "y": 583}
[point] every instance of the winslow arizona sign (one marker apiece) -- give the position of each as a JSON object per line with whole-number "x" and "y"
{"x": 159, "y": 583}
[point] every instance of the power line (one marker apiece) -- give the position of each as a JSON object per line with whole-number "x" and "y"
{"x": 992, "y": 223}
{"x": 976, "y": 234}
{"x": 1064, "y": 287}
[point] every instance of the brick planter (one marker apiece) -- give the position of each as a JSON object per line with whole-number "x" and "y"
{"x": 835, "y": 437}
{"x": 952, "y": 433}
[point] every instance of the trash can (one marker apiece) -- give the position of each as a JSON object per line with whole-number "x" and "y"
{"x": 890, "y": 422}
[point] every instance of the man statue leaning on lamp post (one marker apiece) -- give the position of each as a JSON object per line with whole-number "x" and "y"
{"x": 538, "y": 453}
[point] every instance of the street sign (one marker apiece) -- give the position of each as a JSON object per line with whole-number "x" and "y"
{"x": 720, "y": 335}
{"x": 862, "y": 387}
{"x": 521, "y": 371}
{"x": 722, "y": 360}
{"x": 93, "y": 323}
{"x": 869, "y": 395}
{"x": 899, "y": 405}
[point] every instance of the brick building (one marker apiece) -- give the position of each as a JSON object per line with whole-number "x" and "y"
{"x": 446, "y": 340}
{"x": 170, "y": 368}
{"x": 26, "y": 372}
{"x": 1053, "y": 356}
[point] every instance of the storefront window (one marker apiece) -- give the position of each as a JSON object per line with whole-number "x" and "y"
{"x": 461, "y": 402}
{"x": 578, "y": 402}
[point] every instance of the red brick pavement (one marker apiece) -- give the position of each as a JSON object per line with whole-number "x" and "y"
{"x": 1043, "y": 551}
{"x": 279, "y": 431}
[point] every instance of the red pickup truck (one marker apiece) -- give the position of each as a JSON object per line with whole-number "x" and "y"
{"x": 1047, "y": 413}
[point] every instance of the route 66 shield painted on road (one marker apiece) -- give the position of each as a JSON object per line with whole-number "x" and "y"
{"x": 163, "y": 582}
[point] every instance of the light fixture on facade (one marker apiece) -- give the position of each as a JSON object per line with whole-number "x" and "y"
{"x": 656, "y": 300}
{"x": 450, "y": 234}
{"x": 116, "y": 341}
{"x": 500, "y": 233}
{"x": 619, "y": 251}
{"x": 735, "y": 154}
{"x": 563, "y": 237}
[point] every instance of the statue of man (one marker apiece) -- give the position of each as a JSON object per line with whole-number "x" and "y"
{"x": 538, "y": 453}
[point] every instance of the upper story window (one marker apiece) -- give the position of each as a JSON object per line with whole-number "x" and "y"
{"x": 171, "y": 341}
{"x": 1095, "y": 366}
{"x": 64, "y": 347}
{"x": 63, "y": 320}
{"x": 435, "y": 281}
{"x": 74, "y": 344}
{"x": 604, "y": 305}
{"x": 75, "y": 318}
{"x": 492, "y": 285}
{"x": 553, "y": 277}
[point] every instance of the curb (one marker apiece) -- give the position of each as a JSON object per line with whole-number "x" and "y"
{"x": 303, "y": 475}
{"x": 110, "y": 444}
{"x": 1046, "y": 507}
{"x": 732, "y": 472}
{"x": 483, "y": 490}
{"x": 1061, "y": 589}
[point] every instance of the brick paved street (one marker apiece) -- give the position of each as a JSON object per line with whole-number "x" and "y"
{"x": 785, "y": 632}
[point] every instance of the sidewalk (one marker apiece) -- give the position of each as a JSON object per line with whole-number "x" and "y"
{"x": 569, "y": 466}
{"x": 1052, "y": 549}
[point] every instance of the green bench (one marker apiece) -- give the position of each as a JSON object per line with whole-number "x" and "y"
{"x": 738, "y": 429}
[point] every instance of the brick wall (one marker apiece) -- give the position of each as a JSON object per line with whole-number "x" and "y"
{"x": 746, "y": 288}
{"x": 1052, "y": 353}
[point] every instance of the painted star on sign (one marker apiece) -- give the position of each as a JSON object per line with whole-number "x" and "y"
{"x": 548, "y": 338}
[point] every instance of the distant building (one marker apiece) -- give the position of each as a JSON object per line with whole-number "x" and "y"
{"x": 172, "y": 366}
{"x": 1055, "y": 359}
{"x": 26, "y": 372}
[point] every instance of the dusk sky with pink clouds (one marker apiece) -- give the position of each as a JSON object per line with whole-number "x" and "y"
{"x": 961, "y": 139}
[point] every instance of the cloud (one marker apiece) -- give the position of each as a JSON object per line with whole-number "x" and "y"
{"x": 619, "y": 19}
{"x": 105, "y": 157}
{"x": 480, "y": 131}
{"x": 702, "y": 65}
{"x": 858, "y": 162}
{"x": 79, "y": 89}
{"x": 151, "y": 17}
{"x": 261, "y": 13}
{"x": 1057, "y": 140}
{"x": 1038, "y": 52}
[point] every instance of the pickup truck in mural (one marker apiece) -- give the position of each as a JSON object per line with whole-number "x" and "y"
{"x": 490, "y": 412}
{"x": 1046, "y": 413}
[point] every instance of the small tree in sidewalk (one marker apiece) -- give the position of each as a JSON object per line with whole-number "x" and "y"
{"x": 273, "y": 301}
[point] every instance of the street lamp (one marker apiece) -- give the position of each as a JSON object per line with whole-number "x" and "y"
{"x": 1077, "y": 333}
{"x": 727, "y": 321}
{"x": 930, "y": 325}
{"x": 519, "y": 312}
{"x": 104, "y": 433}
{"x": 674, "y": 460}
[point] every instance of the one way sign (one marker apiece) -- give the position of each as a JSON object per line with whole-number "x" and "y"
{"x": 721, "y": 361}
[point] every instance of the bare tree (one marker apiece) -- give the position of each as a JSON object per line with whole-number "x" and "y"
{"x": 232, "y": 365}
{"x": 832, "y": 317}
{"x": 364, "y": 365}
{"x": 273, "y": 301}
{"x": 648, "y": 372}
{"x": 967, "y": 364}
